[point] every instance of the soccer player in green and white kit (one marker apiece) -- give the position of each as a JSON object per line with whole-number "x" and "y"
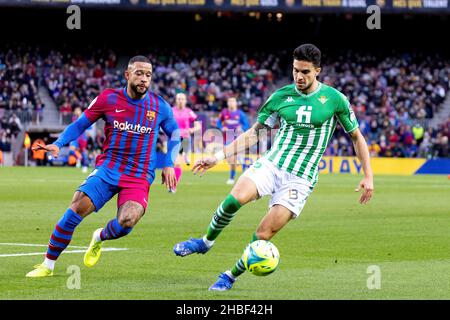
{"x": 308, "y": 112}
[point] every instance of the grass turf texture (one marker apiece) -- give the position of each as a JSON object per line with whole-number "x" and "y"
{"x": 324, "y": 254}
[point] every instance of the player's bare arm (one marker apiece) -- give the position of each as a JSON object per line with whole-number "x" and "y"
{"x": 246, "y": 140}
{"x": 53, "y": 149}
{"x": 362, "y": 152}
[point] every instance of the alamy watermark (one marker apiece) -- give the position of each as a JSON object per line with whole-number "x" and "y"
{"x": 374, "y": 20}
{"x": 205, "y": 143}
{"x": 74, "y": 20}
{"x": 74, "y": 280}
{"x": 374, "y": 279}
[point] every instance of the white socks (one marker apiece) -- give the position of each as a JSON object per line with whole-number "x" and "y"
{"x": 208, "y": 243}
{"x": 49, "y": 263}
{"x": 97, "y": 235}
{"x": 228, "y": 273}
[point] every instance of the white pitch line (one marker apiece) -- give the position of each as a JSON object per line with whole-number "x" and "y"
{"x": 33, "y": 245}
{"x": 42, "y": 253}
{"x": 45, "y": 245}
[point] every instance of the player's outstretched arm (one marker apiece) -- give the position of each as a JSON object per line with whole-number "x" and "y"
{"x": 246, "y": 140}
{"x": 362, "y": 152}
{"x": 53, "y": 149}
{"x": 72, "y": 132}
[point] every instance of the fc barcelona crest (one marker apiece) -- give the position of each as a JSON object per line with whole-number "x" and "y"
{"x": 150, "y": 115}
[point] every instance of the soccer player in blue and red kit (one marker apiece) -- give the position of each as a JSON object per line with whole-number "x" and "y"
{"x": 133, "y": 116}
{"x": 232, "y": 122}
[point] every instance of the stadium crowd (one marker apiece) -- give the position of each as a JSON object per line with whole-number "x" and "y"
{"x": 210, "y": 79}
{"x": 19, "y": 82}
{"x": 74, "y": 80}
{"x": 391, "y": 95}
{"x": 19, "y": 99}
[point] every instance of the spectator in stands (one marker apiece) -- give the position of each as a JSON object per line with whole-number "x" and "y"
{"x": 18, "y": 83}
{"x": 5, "y": 142}
{"x": 389, "y": 93}
{"x": 15, "y": 124}
{"x": 418, "y": 132}
{"x": 98, "y": 72}
{"x": 374, "y": 149}
{"x": 441, "y": 148}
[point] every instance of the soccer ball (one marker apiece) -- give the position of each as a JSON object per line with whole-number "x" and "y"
{"x": 261, "y": 257}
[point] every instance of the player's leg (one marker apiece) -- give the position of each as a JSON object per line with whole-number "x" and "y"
{"x": 256, "y": 182}
{"x": 177, "y": 166}
{"x": 287, "y": 203}
{"x": 84, "y": 161}
{"x": 128, "y": 216}
{"x": 242, "y": 193}
{"x": 232, "y": 162}
{"x": 277, "y": 217}
{"x": 131, "y": 202}
{"x": 80, "y": 208}
{"x": 187, "y": 150}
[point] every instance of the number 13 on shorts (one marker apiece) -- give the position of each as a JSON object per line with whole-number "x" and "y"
{"x": 293, "y": 194}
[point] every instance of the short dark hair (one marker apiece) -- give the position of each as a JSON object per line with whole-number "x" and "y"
{"x": 139, "y": 59}
{"x": 308, "y": 52}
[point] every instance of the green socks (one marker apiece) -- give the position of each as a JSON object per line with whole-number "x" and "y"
{"x": 222, "y": 217}
{"x": 239, "y": 267}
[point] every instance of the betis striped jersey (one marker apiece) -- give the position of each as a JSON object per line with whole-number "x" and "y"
{"x": 307, "y": 122}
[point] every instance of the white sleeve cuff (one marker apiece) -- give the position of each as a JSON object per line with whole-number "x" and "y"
{"x": 220, "y": 155}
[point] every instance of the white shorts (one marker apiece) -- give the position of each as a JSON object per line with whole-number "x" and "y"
{"x": 286, "y": 189}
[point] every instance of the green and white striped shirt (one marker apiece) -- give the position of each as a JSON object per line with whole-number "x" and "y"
{"x": 307, "y": 123}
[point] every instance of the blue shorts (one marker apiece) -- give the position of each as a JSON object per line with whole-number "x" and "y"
{"x": 98, "y": 190}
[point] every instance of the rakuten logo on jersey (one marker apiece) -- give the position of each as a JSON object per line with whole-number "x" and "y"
{"x": 134, "y": 128}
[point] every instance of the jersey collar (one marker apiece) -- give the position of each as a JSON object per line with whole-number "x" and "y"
{"x": 134, "y": 100}
{"x": 319, "y": 86}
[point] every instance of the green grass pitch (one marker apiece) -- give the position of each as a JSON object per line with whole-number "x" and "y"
{"x": 325, "y": 254}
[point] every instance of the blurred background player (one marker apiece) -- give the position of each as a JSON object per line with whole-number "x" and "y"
{"x": 126, "y": 167}
{"x": 184, "y": 116}
{"x": 233, "y": 122}
{"x": 38, "y": 155}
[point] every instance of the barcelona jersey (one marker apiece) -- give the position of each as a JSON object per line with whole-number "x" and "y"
{"x": 131, "y": 132}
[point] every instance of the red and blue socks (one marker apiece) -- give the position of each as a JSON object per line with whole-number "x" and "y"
{"x": 113, "y": 230}
{"x": 61, "y": 236}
